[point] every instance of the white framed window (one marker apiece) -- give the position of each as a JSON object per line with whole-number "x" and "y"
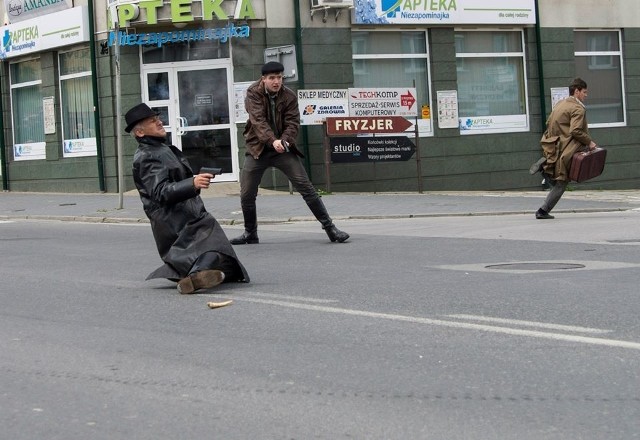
{"x": 394, "y": 58}
{"x": 492, "y": 83}
{"x": 76, "y": 98}
{"x": 27, "y": 112}
{"x": 599, "y": 61}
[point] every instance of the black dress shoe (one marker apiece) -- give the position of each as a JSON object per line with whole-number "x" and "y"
{"x": 543, "y": 215}
{"x": 246, "y": 238}
{"x": 537, "y": 167}
{"x": 336, "y": 234}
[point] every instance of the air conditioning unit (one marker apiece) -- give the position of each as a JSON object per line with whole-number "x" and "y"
{"x": 321, "y": 4}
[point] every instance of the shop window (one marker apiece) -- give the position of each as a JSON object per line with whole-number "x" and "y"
{"x": 598, "y": 58}
{"x": 76, "y": 96}
{"x": 492, "y": 92}
{"x": 393, "y": 59}
{"x": 185, "y": 51}
{"x": 27, "y": 110}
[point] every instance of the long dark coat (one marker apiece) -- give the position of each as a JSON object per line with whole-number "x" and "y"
{"x": 182, "y": 228}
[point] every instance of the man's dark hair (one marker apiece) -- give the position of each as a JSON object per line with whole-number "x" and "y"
{"x": 577, "y": 84}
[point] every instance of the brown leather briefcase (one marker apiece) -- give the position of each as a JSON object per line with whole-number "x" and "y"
{"x": 586, "y": 165}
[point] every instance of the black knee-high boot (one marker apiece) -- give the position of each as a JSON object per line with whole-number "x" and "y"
{"x": 250, "y": 235}
{"x": 320, "y": 212}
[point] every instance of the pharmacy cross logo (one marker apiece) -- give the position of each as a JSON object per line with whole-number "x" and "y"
{"x": 6, "y": 44}
{"x": 390, "y": 7}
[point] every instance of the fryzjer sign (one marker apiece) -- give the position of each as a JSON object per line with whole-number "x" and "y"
{"x": 371, "y": 149}
{"x": 337, "y": 126}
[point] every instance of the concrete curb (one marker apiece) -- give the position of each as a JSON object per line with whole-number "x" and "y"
{"x": 233, "y": 222}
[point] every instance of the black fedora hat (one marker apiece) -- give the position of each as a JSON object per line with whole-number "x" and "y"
{"x": 137, "y": 114}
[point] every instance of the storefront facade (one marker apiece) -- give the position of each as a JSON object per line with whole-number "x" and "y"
{"x": 479, "y": 80}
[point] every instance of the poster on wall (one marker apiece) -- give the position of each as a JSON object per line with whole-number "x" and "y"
{"x": 32, "y": 151}
{"x": 447, "y": 108}
{"x": 493, "y": 124}
{"x": 79, "y": 147}
{"x": 502, "y": 12}
{"x": 558, "y": 94}
{"x": 49, "y": 115}
{"x": 316, "y": 105}
{"x": 240, "y": 93}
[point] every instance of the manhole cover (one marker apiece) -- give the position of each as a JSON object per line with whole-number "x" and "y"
{"x": 536, "y": 266}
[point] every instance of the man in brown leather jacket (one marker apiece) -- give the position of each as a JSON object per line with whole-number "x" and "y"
{"x": 270, "y": 136}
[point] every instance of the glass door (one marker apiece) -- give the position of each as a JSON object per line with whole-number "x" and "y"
{"x": 193, "y": 101}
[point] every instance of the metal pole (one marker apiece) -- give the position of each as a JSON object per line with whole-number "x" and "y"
{"x": 94, "y": 89}
{"x": 543, "y": 109}
{"x": 418, "y": 158}
{"x": 327, "y": 170}
{"x": 118, "y": 118}
{"x": 3, "y": 158}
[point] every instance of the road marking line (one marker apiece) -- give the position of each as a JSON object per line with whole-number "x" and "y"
{"x": 568, "y": 328}
{"x": 287, "y": 297}
{"x": 453, "y": 324}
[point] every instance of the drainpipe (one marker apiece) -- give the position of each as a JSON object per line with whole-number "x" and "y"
{"x": 3, "y": 159}
{"x": 96, "y": 107}
{"x": 305, "y": 135}
{"x": 543, "y": 109}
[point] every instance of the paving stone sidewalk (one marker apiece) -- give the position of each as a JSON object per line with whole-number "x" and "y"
{"x": 223, "y": 201}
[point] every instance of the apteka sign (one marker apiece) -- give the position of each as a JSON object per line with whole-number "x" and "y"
{"x": 503, "y": 12}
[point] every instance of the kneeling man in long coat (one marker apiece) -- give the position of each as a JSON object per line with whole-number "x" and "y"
{"x": 190, "y": 241}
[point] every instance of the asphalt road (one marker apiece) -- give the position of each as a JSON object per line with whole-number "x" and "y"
{"x": 428, "y": 328}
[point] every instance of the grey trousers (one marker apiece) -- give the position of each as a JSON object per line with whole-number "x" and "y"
{"x": 555, "y": 193}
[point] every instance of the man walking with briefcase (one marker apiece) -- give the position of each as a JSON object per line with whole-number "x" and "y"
{"x": 567, "y": 133}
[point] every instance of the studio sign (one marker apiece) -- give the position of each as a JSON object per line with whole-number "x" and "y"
{"x": 371, "y": 149}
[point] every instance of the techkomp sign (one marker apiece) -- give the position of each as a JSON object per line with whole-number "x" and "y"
{"x": 383, "y": 102}
{"x": 445, "y": 11}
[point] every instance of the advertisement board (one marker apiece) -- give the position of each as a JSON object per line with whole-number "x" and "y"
{"x": 316, "y": 105}
{"x": 445, "y": 12}
{"x": 57, "y": 29}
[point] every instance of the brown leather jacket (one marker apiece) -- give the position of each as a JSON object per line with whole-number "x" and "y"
{"x": 258, "y": 133}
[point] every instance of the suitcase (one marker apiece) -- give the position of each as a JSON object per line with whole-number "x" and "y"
{"x": 586, "y": 165}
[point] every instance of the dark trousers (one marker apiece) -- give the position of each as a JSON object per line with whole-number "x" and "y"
{"x": 288, "y": 163}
